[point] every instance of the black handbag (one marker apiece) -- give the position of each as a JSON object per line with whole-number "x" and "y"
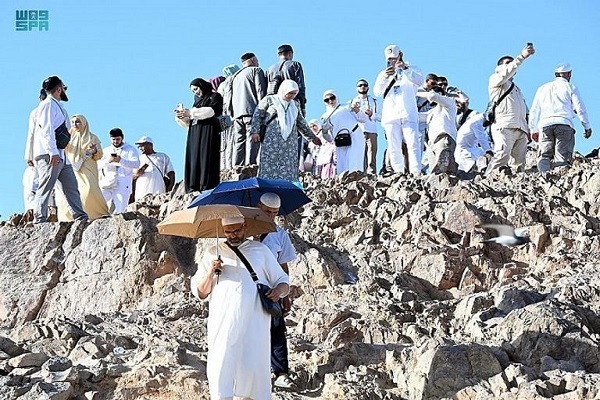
{"x": 272, "y": 307}
{"x": 62, "y": 136}
{"x": 343, "y": 137}
{"x": 489, "y": 115}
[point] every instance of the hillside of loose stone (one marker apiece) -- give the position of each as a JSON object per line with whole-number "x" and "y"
{"x": 396, "y": 295}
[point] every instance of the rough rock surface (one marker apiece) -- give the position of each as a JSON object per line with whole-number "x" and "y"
{"x": 396, "y": 296}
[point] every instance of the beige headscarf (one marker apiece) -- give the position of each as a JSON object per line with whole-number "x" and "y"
{"x": 287, "y": 111}
{"x": 80, "y": 141}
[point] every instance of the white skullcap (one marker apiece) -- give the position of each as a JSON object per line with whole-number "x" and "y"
{"x": 328, "y": 91}
{"x": 392, "y": 51}
{"x": 270, "y": 200}
{"x": 232, "y": 220}
{"x": 563, "y": 68}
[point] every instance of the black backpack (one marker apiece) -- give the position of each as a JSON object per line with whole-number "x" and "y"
{"x": 276, "y": 80}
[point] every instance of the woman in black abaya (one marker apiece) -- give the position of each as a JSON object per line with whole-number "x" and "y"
{"x": 203, "y": 148}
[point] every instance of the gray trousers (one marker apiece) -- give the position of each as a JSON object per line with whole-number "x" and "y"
{"x": 245, "y": 151}
{"x": 227, "y": 149}
{"x": 47, "y": 177}
{"x": 371, "y": 153}
{"x": 556, "y": 144}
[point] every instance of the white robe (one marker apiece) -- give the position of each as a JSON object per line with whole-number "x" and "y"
{"x": 349, "y": 158}
{"x": 238, "y": 337}
{"x": 471, "y": 141}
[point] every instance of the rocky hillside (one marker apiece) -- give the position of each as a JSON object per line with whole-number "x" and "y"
{"x": 396, "y": 296}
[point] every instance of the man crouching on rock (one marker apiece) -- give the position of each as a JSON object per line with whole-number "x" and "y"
{"x": 238, "y": 328}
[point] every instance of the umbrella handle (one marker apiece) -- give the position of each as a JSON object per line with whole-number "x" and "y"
{"x": 219, "y": 271}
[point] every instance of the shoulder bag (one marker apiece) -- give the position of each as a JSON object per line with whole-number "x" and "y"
{"x": 273, "y": 308}
{"x": 489, "y": 115}
{"x": 343, "y": 138}
{"x": 165, "y": 177}
{"x": 262, "y": 131}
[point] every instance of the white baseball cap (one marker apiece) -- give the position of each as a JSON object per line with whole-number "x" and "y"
{"x": 563, "y": 68}
{"x": 392, "y": 51}
{"x": 144, "y": 139}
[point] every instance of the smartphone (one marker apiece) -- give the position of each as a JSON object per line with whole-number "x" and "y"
{"x": 113, "y": 154}
{"x": 391, "y": 63}
{"x": 529, "y": 44}
{"x": 180, "y": 107}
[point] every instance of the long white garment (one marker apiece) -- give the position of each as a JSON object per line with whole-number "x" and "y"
{"x": 30, "y": 186}
{"x": 50, "y": 114}
{"x": 557, "y": 102}
{"x": 471, "y": 141}
{"x": 238, "y": 337}
{"x": 30, "y": 135}
{"x": 349, "y": 158}
{"x": 151, "y": 181}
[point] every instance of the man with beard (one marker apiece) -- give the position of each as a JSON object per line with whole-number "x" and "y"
{"x": 371, "y": 108}
{"x": 471, "y": 140}
{"x": 51, "y": 164}
{"x": 119, "y": 160}
{"x": 238, "y": 327}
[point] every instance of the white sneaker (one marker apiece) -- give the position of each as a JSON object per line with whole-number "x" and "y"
{"x": 284, "y": 381}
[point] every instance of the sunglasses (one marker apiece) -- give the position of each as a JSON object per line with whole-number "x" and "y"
{"x": 328, "y": 99}
{"x": 362, "y": 85}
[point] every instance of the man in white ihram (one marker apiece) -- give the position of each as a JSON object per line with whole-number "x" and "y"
{"x": 155, "y": 166}
{"x": 238, "y": 327}
{"x": 398, "y": 85}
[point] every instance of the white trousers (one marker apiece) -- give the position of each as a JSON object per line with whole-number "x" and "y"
{"x": 119, "y": 196}
{"x": 403, "y": 130}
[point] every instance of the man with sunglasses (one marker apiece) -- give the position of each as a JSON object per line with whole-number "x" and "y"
{"x": 369, "y": 106}
{"x": 398, "y": 85}
{"x": 50, "y": 161}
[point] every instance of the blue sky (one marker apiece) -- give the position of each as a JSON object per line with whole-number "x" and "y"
{"x": 129, "y": 63}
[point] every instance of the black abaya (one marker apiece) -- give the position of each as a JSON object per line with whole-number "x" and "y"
{"x": 203, "y": 149}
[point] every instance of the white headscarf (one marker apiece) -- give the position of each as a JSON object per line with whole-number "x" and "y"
{"x": 287, "y": 111}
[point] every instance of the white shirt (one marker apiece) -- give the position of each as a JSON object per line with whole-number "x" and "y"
{"x": 30, "y": 137}
{"x": 557, "y": 102}
{"x": 511, "y": 112}
{"x": 368, "y": 103}
{"x": 280, "y": 245}
{"x": 151, "y": 181}
{"x": 129, "y": 160}
{"x": 442, "y": 117}
{"x": 50, "y": 114}
{"x": 400, "y": 103}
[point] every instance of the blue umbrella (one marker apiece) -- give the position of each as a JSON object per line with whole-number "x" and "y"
{"x": 247, "y": 192}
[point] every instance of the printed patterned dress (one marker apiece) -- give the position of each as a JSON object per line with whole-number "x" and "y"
{"x": 278, "y": 158}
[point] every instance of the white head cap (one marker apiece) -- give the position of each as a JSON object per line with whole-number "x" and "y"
{"x": 563, "y": 68}
{"x": 392, "y": 51}
{"x": 232, "y": 220}
{"x": 144, "y": 139}
{"x": 270, "y": 200}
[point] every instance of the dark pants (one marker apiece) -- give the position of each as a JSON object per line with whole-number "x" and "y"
{"x": 279, "y": 351}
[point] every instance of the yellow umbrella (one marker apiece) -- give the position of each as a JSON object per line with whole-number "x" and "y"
{"x": 205, "y": 221}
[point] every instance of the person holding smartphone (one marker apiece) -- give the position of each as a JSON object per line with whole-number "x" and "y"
{"x": 398, "y": 84}
{"x": 120, "y": 160}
